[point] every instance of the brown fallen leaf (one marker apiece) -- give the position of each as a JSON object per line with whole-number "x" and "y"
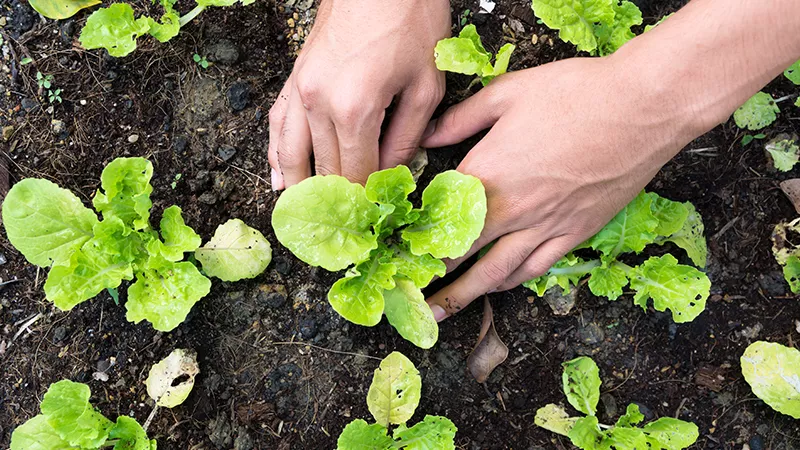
{"x": 490, "y": 351}
{"x": 792, "y": 190}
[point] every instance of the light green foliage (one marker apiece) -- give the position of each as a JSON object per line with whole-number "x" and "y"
{"x": 773, "y": 372}
{"x": 168, "y": 26}
{"x": 787, "y": 253}
{"x": 34, "y": 208}
{"x": 201, "y": 61}
{"x": 171, "y": 380}
{"x": 69, "y": 421}
{"x": 392, "y": 398}
{"x": 758, "y": 112}
{"x": 582, "y": 388}
{"x": 395, "y": 390}
{"x": 328, "y": 221}
{"x": 785, "y": 153}
{"x": 648, "y": 219}
{"x": 793, "y": 73}
{"x": 51, "y": 227}
{"x": 581, "y": 384}
{"x": 61, "y": 9}
{"x": 465, "y": 54}
{"x": 660, "y": 21}
{"x": 599, "y": 27}
{"x": 235, "y": 252}
{"x": 797, "y": 102}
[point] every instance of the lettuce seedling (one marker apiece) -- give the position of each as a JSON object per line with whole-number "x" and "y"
{"x": 69, "y": 421}
{"x": 787, "y": 253}
{"x": 648, "y": 219}
{"x": 773, "y": 372}
{"x": 51, "y": 228}
{"x": 330, "y": 222}
{"x": 465, "y": 54}
{"x": 599, "y": 27}
{"x": 581, "y": 384}
{"x": 392, "y": 399}
{"x": 116, "y": 29}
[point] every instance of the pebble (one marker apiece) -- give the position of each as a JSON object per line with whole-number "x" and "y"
{"x": 610, "y": 406}
{"x": 134, "y": 138}
{"x": 29, "y": 105}
{"x": 2, "y": 259}
{"x": 59, "y": 334}
{"x": 59, "y": 128}
{"x": 209, "y": 198}
{"x": 238, "y": 95}
{"x": 282, "y": 265}
{"x": 8, "y": 131}
{"x": 224, "y": 51}
{"x": 226, "y": 152}
{"x": 756, "y": 443}
{"x": 534, "y": 39}
{"x": 271, "y": 295}
{"x": 308, "y": 328}
{"x": 591, "y": 334}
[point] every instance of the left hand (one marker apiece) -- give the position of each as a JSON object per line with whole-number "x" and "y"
{"x": 571, "y": 143}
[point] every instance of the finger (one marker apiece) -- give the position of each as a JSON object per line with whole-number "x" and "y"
{"x": 465, "y": 119}
{"x": 294, "y": 148}
{"x": 486, "y": 275}
{"x": 539, "y": 262}
{"x": 325, "y": 143}
{"x": 358, "y": 146}
{"x": 401, "y": 140}
{"x": 277, "y": 115}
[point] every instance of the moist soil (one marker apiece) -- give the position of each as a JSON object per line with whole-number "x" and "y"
{"x": 280, "y": 369}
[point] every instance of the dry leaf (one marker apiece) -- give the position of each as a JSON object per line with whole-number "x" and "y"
{"x": 792, "y": 190}
{"x": 418, "y": 164}
{"x": 172, "y": 379}
{"x": 490, "y": 351}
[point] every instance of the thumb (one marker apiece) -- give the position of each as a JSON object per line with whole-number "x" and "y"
{"x": 465, "y": 119}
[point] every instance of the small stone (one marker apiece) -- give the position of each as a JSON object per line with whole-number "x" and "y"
{"x": 591, "y": 334}
{"x": 283, "y": 266}
{"x": 134, "y": 138}
{"x": 29, "y": 105}
{"x": 179, "y": 144}
{"x": 2, "y": 259}
{"x": 100, "y": 376}
{"x": 756, "y": 443}
{"x": 67, "y": 30}
{"x": 308, "y": 328}
{"x": 609, "y": 406}
{"x": 83, "y": 102}
{"x": 561, "y": 303}
{"x": 59, "y": 334}
{"x": 271, "y": 295}
{"x": 226, "y": 152}
{"x": 59, "y": 128}
{"x": 290, "y": 22}
{"x": 224, "y": 51}
{"x": 200, "y": 181}
{"x": 8, "y": 131}
{"x": 238, "y": 95}
{"x": 209, "y": 198}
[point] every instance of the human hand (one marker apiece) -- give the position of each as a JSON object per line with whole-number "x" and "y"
{"x": 360, "y": 55}
{"x": 571, "y": 143}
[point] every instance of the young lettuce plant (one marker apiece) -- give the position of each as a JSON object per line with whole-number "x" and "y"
{"x": 392, "y": 399}
{"x": 773, "y": 372}
{"x": 599, "y": 27}
{"x": 648, "y": 219}
{"x": 784, "y": 151}
{"x": 465, "y": 54}
{"x": 787, "y": 253}
{"x": 581, "y": 384}
{"x": 116, "y": 29}
{"x": 51, "y": 228}
{"x": 329, "y": 222}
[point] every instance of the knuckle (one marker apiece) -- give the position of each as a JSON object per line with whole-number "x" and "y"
{"x": 536, "y": 267}
{"x": 310, "y": 92}
{"x": 275, "y": 114}
{"x": 348, "y": 112}
{"x": 429, "y": 95}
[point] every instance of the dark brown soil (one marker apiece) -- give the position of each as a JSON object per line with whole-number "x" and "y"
{"x": 286, "y": 372}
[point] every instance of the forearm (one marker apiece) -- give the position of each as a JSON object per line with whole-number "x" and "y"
{"x": 713, "y": 55}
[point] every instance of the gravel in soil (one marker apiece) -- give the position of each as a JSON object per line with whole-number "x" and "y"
{"x": 280, "y": 369}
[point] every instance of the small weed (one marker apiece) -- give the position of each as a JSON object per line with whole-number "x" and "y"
{"x": 200, "y": 60}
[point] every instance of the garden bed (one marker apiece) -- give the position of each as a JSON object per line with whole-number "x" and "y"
{"x": 279, "y": 368}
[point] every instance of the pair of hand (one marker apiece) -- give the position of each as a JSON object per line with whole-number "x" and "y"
{"x": 571, "y": 142}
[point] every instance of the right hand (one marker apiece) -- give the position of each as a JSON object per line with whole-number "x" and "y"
{"x": 359, "y": 57}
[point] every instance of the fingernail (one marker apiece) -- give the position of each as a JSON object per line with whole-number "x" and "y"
{"x": 492, "y": 291}
{"x": 429, "y": 129}
{"x": 277, "y": 180}
{"x": 438, "y": 313}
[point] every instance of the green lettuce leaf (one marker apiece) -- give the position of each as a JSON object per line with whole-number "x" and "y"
{"x": 690, "y": 237}
{"x": 67, "y": 408}
{"x": 631, "y": 417}
{"x": 102, "y": 263}
{"x": 130, "y": 435}
{"x": 785, "y": 153}
{"x": 624, "y": 438}
{"x": 358, "y": 435}
{"x": 612, "y": 36}
{"x": 207, "y": 3}
{"x": 406, "y": 310}
{"x": 585, "y": 434}
{"x": 359, "y": 296}
{"x": 61, "y": 9}
{"x": 553, "y": 418}
{"x": 165, "y": 292}
{"x": 463, "y": 54}
{"x": 391, "y": 187}
{"x": 433, "y": 433}
{"x": 236, "y": 252}
{"x": 114, "y": 29}
{"x": 793, "y": 73}
{"x": 660, "y": 21}
{"x": 782, "y": 248}
{"x": 179, "y": 238}
{"x": 126, "y": 182}
{"x": 608, "y": 280}
{"x": 500, "y": 65}
{"x": 671, "y": 215}
{"x": 581, "y": 384}
{"x": 452, "y": 216}
{"x": 37, "y": 434}
{"x": 326, "y": 221}
{"x": 758, "y": 112}
{"x": 575, "y": 19}
{"x": 418, "y": 268}
{"x": 773, "y": 372}
{"x": 791, "y": 273}
{"x": 567, "y": 272}
{"x": 168, "y": 26}
{"x": 395, "y": 390}
{"x": 670, "y": 434}
{"x": 46, "y": 223}
{"x": 682, "y": 289}
{"x": 629, "y": 231}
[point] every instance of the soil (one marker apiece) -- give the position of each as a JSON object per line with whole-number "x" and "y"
{"x": 280, "y": 369}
